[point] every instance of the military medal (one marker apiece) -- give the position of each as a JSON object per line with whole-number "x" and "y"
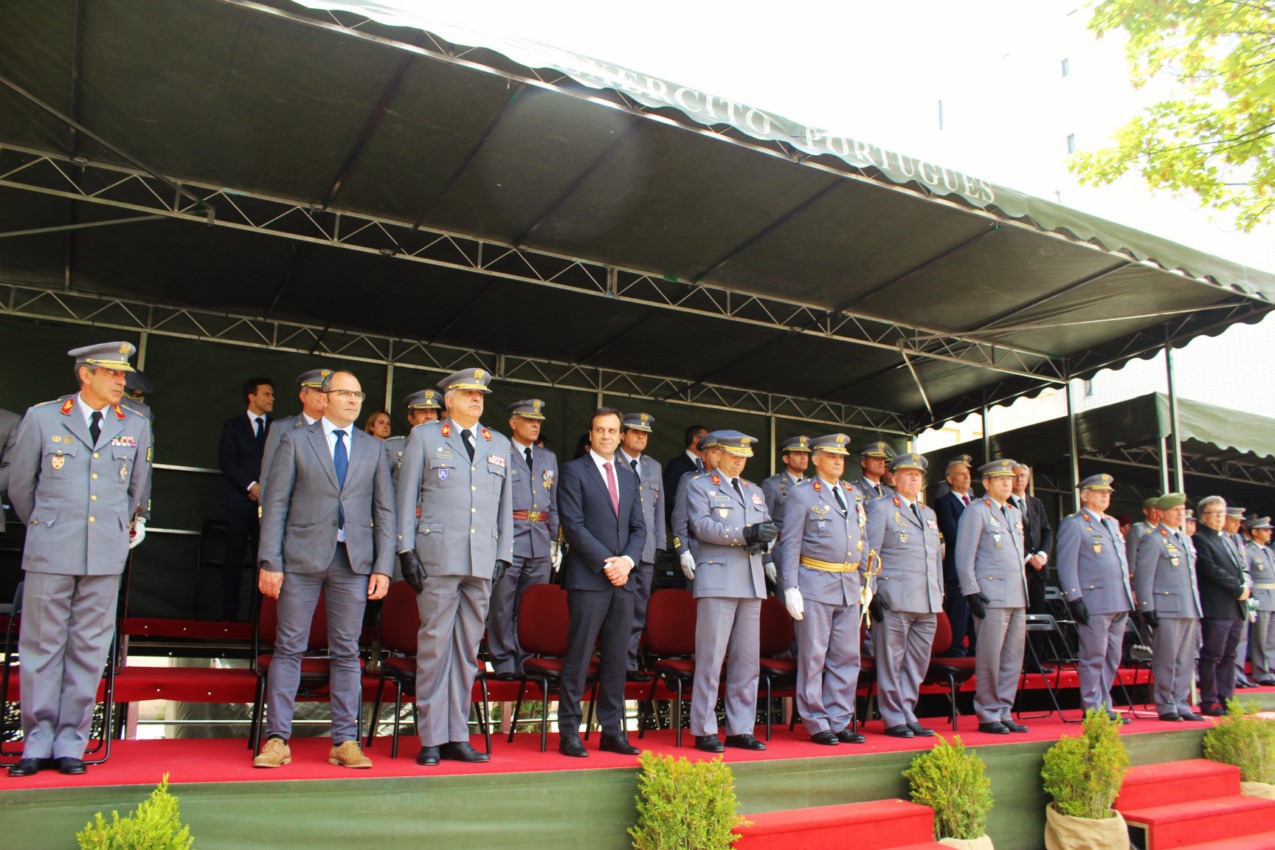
{"x": 57, "y": 461}
{"x": 903, "y": 538}
{"x": 725, "y": 512}
{"x": 1097, "y": 547}
{"x": 124, "y": 472}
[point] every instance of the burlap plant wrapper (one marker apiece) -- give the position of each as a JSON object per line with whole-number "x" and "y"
{"x": 1063, "y": 832}
{"x": 1264, "y": 790}
{"x": 983, "y": 842}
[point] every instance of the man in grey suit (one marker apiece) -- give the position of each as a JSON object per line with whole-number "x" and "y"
{"x": 909, "y": 594}
{"x": 422, "y": 407}
{"x": 1150, "y": 522}
{"x": 821, "y": 556}
{"x": 633, "y": 439}
{"x": 727, "y": 517}
{"x": 1261, "y": 567}
{"x": 1165, "y": 585}
{"x": 1094, "y": 576}
{"x": 533, "y": 476}
{"x": 77, "y": 472}
{"x": 989, "y": 564}
{"x": 8, "y": 436}
{"x": 455, "y": 530}
{"x": 327, "y": 526}
{"x": 602, "y": 520}
{"x": 873, "y": 459}
{"x": 313, "y": 402}
{"x": 796, "y": 459}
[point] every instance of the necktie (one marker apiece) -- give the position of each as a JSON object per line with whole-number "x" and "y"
{"x": 965, "y": 497}
{"x": 341, "y": 462}
{"x": 699, "y": 464}
{"x": 468, "y": 436}
{"x": 261, "y": 428}
{"x": 916, "y": 513}
{"x": 527, "y": 452}
{"x": 612, "y": 488}
{"x": 836, "y": 491}
{"x": 95, "y": 426}
{"x": 633, "y": 466}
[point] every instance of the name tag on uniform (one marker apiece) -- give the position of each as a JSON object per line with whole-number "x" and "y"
{"x": 496, "y": 460}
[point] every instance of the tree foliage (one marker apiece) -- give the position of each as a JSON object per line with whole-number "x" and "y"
{"x": 1214, "y": 134}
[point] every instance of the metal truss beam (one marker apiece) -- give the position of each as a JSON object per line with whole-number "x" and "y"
{"x": 137, "y": 191}
{"x": 85, "y": 308}
{"x": 1229, "y": 470}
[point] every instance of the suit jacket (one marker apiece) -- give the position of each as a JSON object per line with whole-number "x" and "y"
{"x": 239, "y": 455}
{"x": 299, "y": 517}
{"x": 989, "y": 554}
{"x": 911, "y": 579}
{"x": 592, "y": 529}
{"x": 277, "y": 428}
{"x": 948, "y": 508}
{"x": 817, "y": 528}
{"x": 534, "y": 489}
{"x": 78, "y": 497}
{"x": 8, "y": 437}
{"x": 717, "y": 519}
{"x": 651, "y": 492}
{"x": 1164, "y": 577}
{"x": 1038, "y": 534}
{"x": 1092, "y": 563}
{"x": 457, "y": 514}
{"x": 1221, "y": 576}
{"x": 673, "y": 472}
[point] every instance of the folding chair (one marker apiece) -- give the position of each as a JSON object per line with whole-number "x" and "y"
{"x": 950, "y": 671}
{"x": 1058, "y": 653}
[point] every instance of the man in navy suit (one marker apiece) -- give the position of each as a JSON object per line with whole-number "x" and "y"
{"x": 243, "y": 440}
{"x": 601, "y": 517}
{"x": 688, "y": 461}
{"x": 949, "y": 508}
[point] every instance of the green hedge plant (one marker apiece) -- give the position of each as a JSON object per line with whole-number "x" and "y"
{"x": 684, "y": 805}
{"x": 1084, "y": 774}
{"x": 1245, "y": 741}
{"x": 953, "y": 782}
{"x": 156, "y": 825}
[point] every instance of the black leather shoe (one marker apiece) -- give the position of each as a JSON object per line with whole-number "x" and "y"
{"x": 1213, "y": 709}
{"x": 921, "y": 731}
{"x": 1265, "y": 681}
{"x": 69, "y": 766}
{"x": 1117, "y": 717}
{"x": 637, "y": 676}
{"x": 899, "y": 732}
{"x": 1170, "y": 718}
{"x": 1013, "y": 727}
{"x": 845, "y": 736}
{"x": 571, "y": 745}
{"x": 993, "y": 728}
{"x": 462, "y": 751}
{"x": 709, "y": 744}
{"x": 618, "y": 744}
{"x": 26, "y": 767}
{"x": 744, "y": 742}
{"x": 427, "y": 757}
{"x": 1245, "y": 682}
{"x": 1190, "y": 715}
{"x": 827, "y": 737}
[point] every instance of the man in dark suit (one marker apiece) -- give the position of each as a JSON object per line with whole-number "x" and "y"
{"x": 1223, "y": 592}
{"x": 243, "y": 440}
{"x": 601, "y": 516}
{"x": 949, "y": 508}
{"x": 1038, "y": 539}
{"x": 687, "y": 461}
{"x": 8, "y": 436}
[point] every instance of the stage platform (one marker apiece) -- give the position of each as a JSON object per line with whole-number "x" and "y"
{"x": 522, "y": 798}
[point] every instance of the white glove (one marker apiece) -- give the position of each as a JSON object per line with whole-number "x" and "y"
{"x": 688, "y": 565}
{"x": 770, "y": 572}
{"x": 555, "y": 555}
{"x": 137, "y": 533}
{"x": 795, "y": 604}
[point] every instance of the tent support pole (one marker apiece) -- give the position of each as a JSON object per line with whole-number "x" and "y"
{"x": 1164, "y": 465}
{"x": 987, "y": 437}
{"x": 1179, "y": 483}
{"x": 1074, "y": 451}
{"x": 774, "y": 447}
{"x": 141, "y": 350}
{"x": 389, "y": 389}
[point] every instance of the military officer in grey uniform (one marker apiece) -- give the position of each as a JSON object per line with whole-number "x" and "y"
{"x": 679, "y": 525}
{"x": 1233, "y": 536}
{"x": 1150, "y": 522}
{"x": 1165, "y": 585}
{"x": 1261, "y": 568}
{"x": 456, "y": 473}
{"x": 1094, "y": 576}
{"x": 796, "y": 459}
{"x": 422, "y": 406}
{"x": 636, "y": 432}
{"x": 136, "y": 387}
{"x": 989, "y": 565}
{"x": 533, "y": 477}
{"x": 909, "y": 594}
{"x": 873, "y": 460}
{"x": 313, "y": 402}
{"x": 728, "y": 519}
{"x": 77, "y": 473}
{"x": 8, "y": 436}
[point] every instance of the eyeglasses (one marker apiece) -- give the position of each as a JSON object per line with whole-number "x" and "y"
{"x": 347, "y": 395}
{"x": 1211, "y": 513}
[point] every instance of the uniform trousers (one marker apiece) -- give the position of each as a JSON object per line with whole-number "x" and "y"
{"x": 726, "y": 626}
{"x": 502, "y": 620}
{"x": 605, "y": 614}
{"x": 67, "y": 625}
{"x": 453, "y": 610}
{"x": 827, "y": 665}
{"x": 1262, "y": 642}
{"x": 1173, "y": 650}
{"x": 903, "y": 642}
{"x": 345, "y": 599}
{"x": 1217, "y": 659}
{"x": 642, "y": 577}
{"x": 998, "y": 661}
{"x": 1101, "y": 644}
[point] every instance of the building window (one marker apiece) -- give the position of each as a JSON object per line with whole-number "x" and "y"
{"x": 1066, "y": 67}
{"x": 1071, "y": 143}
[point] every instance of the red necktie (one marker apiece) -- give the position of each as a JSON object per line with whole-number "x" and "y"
{"x": 613, "y": 489}
{"x": 965, "y": 497}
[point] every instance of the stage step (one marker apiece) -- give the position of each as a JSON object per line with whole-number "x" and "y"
{"x": 877, "y": 825}
{"x": 1194, "y": 804}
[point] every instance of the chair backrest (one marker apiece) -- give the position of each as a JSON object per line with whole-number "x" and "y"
{"x": 267, "y": 630}
{"x": 400, "y": 619}
{"x": 543, "y": 617}
{"x": 776, "y": 628}
{"x": 942, "y": 635}
{"x": 670, "y": 623}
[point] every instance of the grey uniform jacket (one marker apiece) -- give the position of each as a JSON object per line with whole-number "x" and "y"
{"x": 911, "y": 579}
{"x": 1091, "y": 563}
{"x": 817, "y": 529}
{"x": 142, "y": 409}
{"x": 1261, "y": 567}
{"x": 989, "y": 554}
{"x": 8, "y": 436}
{"x": 717, "y": 519}
{"x": 775, "y": 491}
{"x": 1132, "y": 536}
{"x": 534, "y": 490}
{"x": 1164, "y": 574}
{"x": 299, "y": 517}
{"x": 395, "y": 447}
{"x": 651, "y": 492}
{"x": 75, "y": 497}
{"x": 679, "y": 523}
{"x": 458, "y": 515}
{"x": 873, "y": 492}
{"x": 278, "y": 428}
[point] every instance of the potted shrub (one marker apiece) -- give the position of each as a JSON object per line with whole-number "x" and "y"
{"x": 1248, "y": 742}
{"x": 1084, "y": 775}
{"x": 953, "y": 782}
{"x": 684, "y": 804}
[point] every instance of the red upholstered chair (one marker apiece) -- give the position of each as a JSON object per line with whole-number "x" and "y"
{"x": 949, "y": 671}
{"x": 543, "y": 617}
{"x": 777, "y": 673}
{"x": 670, "y": 635}
{"x": 400, "y": 622}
